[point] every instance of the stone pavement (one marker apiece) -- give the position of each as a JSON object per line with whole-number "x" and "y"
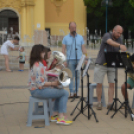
{"x": 13, "y": 117}
{"x": 14, "y": 98}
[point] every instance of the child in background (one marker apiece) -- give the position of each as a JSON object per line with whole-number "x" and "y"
{"x": 22, "y": 59}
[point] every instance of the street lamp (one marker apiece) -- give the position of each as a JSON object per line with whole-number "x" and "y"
{"x": 106, "y": 3}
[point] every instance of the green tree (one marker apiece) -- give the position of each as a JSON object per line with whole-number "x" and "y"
{"x": 131, "y": 2}
{"x": 122, "y": 13}
{"x": 92, "y": 7}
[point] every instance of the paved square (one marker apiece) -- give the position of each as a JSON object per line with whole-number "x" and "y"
{"x": 14, "y": 98}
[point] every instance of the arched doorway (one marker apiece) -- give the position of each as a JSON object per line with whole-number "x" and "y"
{"x": 9, "y": 21}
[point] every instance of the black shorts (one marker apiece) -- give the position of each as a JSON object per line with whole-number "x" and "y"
{"x": 22, "y": 62}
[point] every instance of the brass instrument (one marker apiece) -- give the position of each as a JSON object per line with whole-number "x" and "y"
{"x": 62, "y": 73}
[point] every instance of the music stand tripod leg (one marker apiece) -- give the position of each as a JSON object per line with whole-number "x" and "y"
{"x": 88, "y": 104}
{"x": 94, "y": 114}
{"x": 81, "y": 111}
{"x": 117, "y": 110}
{"x": 127, "y": 107}
{"x": 81, "y": 99}
{"x": 75, "y": 107}
{"x": 110, "y": 108}
{"x": 116, "y": 86}
{"x": 115, "y": 99}
{"x": 77, "y": 116}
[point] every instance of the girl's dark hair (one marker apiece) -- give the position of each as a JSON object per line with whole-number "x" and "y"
{"x": 47, "y": 49}
{"x": 35, "y": 55}
{"x": 16, "y": 38}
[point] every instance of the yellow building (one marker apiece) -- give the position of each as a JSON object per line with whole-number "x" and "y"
{"x": 25, "y": 16}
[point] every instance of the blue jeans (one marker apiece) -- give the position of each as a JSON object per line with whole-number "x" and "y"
{"x": 60, "y": 96}
{"x": 72, "y": 66}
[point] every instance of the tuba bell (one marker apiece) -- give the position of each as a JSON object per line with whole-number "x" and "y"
{"x": 62, "y": 73}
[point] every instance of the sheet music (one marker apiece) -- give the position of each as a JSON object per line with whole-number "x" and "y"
{"x": 78, "y": 68}
{"x": 87, "y": 66}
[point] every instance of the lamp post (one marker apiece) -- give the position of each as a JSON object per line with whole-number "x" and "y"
{"x": 106, "y": 3}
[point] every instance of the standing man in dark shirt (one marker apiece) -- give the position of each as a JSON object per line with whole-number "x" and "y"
{"x": 111, "y": 42}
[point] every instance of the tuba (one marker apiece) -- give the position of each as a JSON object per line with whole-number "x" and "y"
{"x": 58, "y": 70}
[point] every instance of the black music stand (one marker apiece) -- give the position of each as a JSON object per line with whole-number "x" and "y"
{"x": 114, "y": 60}
{"x": 79, "y": 67}
{"x": 88, "y": 105}
{"x": 128, "y": 68}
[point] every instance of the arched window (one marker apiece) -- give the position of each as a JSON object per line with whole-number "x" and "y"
{"x": 9, "y": 21}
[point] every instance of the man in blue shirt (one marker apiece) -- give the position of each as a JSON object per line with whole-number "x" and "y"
{"x": 68, "y": 48}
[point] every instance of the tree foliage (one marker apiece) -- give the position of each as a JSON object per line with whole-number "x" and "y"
{"x": 131, "y": 2}
{"x": 122, "y": 13}
{"x": 92, "y": 7}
